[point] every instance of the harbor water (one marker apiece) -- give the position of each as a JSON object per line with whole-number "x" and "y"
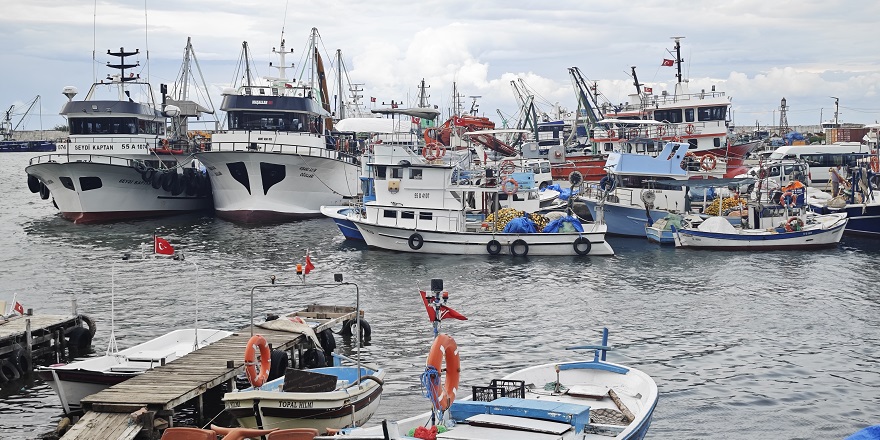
{"x": 741, "y": 345}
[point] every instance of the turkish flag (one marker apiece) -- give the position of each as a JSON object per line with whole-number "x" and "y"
{"x": 668, "y": 62}
{"x": 648, "y": 90}
{"x": 445, "y": 312}
{"x": 163, "y": 247}
{"x": 309, "y": 265}
{"x": 18, "y": 308}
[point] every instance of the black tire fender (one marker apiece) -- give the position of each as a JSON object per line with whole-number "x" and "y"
{"x": 22, "y": 361}
{"x": 33, "y": 183}
{"x": 44, "y": 191}
{"x": 366, "y": 330}
{"x": 582, "y": 246}
{"x": 278, "y": 365}
{"x": 8, "y": 371}
{"x": 519, "y": 243}
{"x": 79, "y": 338}
{"x": 493, "y": 247}
{"x": 416, "y": 241}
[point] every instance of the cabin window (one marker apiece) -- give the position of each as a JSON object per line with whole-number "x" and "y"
{"x": 67, "y": 182}
{"x": 271, "y": 121}
{"x": 609, "y": 146}
{"x": 425, "y": 216}
{"x": 689, "y": 115}
{"x": 89, "y": 183}
{"x": 415, "y": 173}
{"x": 545, "y": 167}
{"x": 717, "y": 142}
{"x": 671, "y": 116}
{"x": 380, "y": 172}
{"x": 716, "y": 113}
{"x": 389, "y": 213}
{"x": 397, "y": 173}
{"x": 407, "y": 215}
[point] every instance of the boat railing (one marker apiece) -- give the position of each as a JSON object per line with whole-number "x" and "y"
{"x": 91, "y": 158}
{"x": 271, "y": 147}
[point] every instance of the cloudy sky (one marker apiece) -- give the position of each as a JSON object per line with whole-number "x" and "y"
{"x": 757, "y": 51}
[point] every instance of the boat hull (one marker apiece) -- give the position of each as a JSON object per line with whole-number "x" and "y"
{"x": 95, "y": 189}
{"x": 624, "y": 220}
{"x": 339, "y": 214}
{"x": 268, "y": 407}
{"x": 864, "y": 219}
{"x": 262, "y": 187}
{"x": 659, "y": 236}
{"x": 810, "y": 238}
{"x": 477, "y": 243}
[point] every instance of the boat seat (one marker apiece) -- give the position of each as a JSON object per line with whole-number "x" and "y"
{"x": 188, "y": 433}
{"x": 157, "y": 356}
{"x": 576, "y": 415}
{"x": 293, "y": 434}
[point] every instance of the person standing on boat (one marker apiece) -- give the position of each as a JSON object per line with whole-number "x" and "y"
{"x": 838, "y": 176}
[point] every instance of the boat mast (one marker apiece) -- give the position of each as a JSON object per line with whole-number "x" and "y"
{"x": 247, "y": 64}
{"x": 340, "y": 105}
{"x": 678, "y": 60}
{"x": 122, "y": 79}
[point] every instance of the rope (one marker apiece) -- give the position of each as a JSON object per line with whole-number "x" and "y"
{"x": 430, "y": 381}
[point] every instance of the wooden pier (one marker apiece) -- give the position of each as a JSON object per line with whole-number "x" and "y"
{"x": 27, "y": 339}
{"x": 144, "y": 404}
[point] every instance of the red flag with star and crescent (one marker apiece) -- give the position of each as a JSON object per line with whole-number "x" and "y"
{"x": 161, "y": 246}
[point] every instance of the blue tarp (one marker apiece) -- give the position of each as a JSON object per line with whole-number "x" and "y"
{"x": 564, "y": 193}
{"x": 521, "y": 225}
{"x": 869, "y": 433}
{"x": 563, "y": 224}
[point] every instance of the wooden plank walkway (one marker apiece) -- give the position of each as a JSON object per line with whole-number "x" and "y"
{"x": 162, "y": 389}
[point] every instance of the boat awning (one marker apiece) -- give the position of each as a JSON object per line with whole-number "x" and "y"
{"x": 706, "y": 183}
{"x": 631, "y": 121}
{"x": 419, "y": 112}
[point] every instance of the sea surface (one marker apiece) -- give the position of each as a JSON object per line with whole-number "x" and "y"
{"x": 742, "y": 345}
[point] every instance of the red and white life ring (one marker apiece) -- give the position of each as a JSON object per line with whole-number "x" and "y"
{"x": 250, "y": 365}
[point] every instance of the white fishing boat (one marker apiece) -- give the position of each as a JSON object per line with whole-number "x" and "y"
{"x": 786, "y": 223}
{"x": 336, "y": 397}
{"x": 430, "y": 203}
{"x": 76, "y": 380}
{"x": 118, "y": 161}
{"x": 276, "y": 161}
{"x": 584, "y": 399}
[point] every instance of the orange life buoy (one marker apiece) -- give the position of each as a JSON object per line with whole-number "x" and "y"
{"x": 610, "y": 133}
{"x": 788, "y": 194}
{"x": 439, "y": 150}
{"x": 661, "y": 131}
{"x": 708, "y": 162}
{"x": 634, "y": 133}
{"x": 875, "y": 164}
{"x": 794, "y": 224}
{"x": 164, "y": 143}
{"x": 250, "y": 364}
{"x": 428, "y": 151}
{"x": 689, "y": 129}
{"x": 510, "y": 186}
{"x": 444, "y": 347}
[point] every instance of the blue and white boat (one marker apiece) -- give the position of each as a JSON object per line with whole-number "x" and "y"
{"x": 632, "y": 191}
{"x": 588, "y": 399}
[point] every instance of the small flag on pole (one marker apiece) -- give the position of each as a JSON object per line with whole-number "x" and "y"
{"x": 668, "y": 62}
{"x": 372, "y": 99}
{"x": 648, "y": 90}
{"x": 445, "y": 311}
{"x": 18, "y": 308}
{"x": 161, "y": 246}
{"x": 309, "y": 265}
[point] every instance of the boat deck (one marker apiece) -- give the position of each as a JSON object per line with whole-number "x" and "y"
{"x": 160, "y": 390}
